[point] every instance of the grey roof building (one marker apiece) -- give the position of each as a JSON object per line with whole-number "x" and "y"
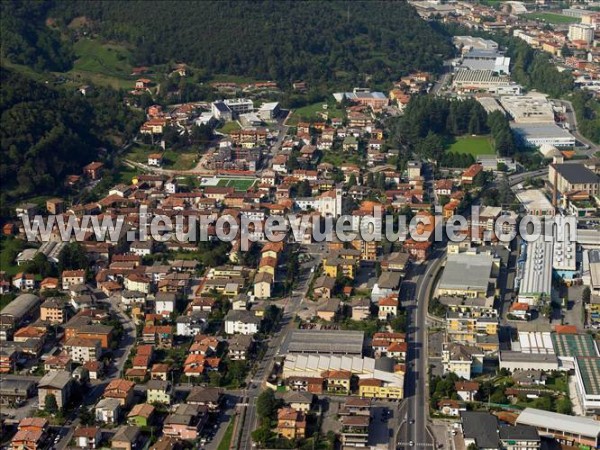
{"x": 481, "y": 429}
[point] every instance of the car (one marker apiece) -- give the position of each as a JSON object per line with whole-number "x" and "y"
{"x": 412, "y": 421}
{"x": 411, "y": 443}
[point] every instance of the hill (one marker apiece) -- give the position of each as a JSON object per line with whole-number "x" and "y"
{"x": 332, "y": 42}
{"x": 49, "y": 133}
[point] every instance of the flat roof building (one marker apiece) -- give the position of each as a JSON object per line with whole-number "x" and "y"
{"x": 587, "y": 377}
{"x": 535, "y": 274}
{"x": 568, "y": 429}
{"x": 535, "y": 202}
{"x": 466, "y": 274}
{"x": 533, "y": 108}
{"x": 538, "y": 134}
{"x": 324, "y": 342}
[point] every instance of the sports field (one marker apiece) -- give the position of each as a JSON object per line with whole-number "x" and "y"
{"x": 474, "y": 145}
{"x": 240, "y": 184}
{"x": 552, "y": 18}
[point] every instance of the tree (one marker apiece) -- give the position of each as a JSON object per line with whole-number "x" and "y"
{"x": 261, "y": 435}
{"x": 50, "y": 404}
{"x": 564, "y": 406}
{"x": 352, "y": 180}
{"x": 266, "y": 405}
{"x": 86, "y": 416}
{"x": 586, "y": 295}
{"x": 472, "y": 446}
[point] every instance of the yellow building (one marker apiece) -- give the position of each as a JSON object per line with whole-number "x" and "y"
{"x": 338, "y": 381}
{"x": 374, "y": 388}
{"x": 291, "y": 424}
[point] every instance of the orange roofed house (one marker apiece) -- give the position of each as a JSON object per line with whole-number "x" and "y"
{"x": 120, "y": 389}
{"x": 291, "y": 424}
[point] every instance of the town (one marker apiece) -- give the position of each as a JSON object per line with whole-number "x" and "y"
{"x": 299, "y": 342}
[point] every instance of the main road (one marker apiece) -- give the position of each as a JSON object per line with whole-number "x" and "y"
{"x": 415, "y": 409}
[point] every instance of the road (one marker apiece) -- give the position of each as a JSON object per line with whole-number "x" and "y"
{"x": 572, "y": 119}
{"x": 414, "y": 410}
{"x": 265, "y": 365}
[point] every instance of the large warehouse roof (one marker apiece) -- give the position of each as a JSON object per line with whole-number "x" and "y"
{"x": 467, "y": 271}
{"x": 570, "y": 345}
{"x": 20, "y": 306}
{"x": 537, "y": 277}
{"x": 324, "y": 341}
{"x": 571, "y": 424}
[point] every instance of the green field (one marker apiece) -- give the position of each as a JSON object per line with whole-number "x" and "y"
{"x": 226, "y": 441}
{"x": 237, "y": 183}
{"x": 552, "y": 18}
{"x": 229, "y": 127}
{"x": 474, "y": 145}
{"x": 9, "y": 249}
{"x": 106, "y": 64}
{"x": 310, "y": 112}
{"x": 176, "y": 160}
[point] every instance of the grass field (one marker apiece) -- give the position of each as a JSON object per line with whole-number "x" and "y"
{"x": 310, "y": 112}
{"x": 236, "y": 183}
{"x": 552, "y": 18}
{"x": 106, "y": 64}
{"x": 229, "y": 127}
{"x": 474, "y": 145}
{"x": 177, "y": 160}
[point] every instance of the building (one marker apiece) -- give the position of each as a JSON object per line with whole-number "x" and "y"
{"x": 355, "y": 431}
{"x": 72, "y": 277}
{"x": 126, "y": 438}
{"x": 574, "y": 177}
{"x": 291, "y": 424}
{"x": 468, "y": 275}
{"x": 538, "y": 134}
{"x": 15, "y": 390}
{"x": 463, "y": 360}
{"x": 121, "y": 390}
{"x": 221, "y": 111}
{"x": 239, "y": 106}
{"x": 520, "y": 437}
{"x": 534, "y": 276}
{"x": 587, "y": 377}
{"x": 568, "y": 430}
{"x": 242, "y": 322}
{"x": 581, "y": 32}
{"x": 484, "y": 80}
{"x": 87, "y": 437}
{"x": 269, "y": 111}
{"x": 186, "y": 422}
{"x": 533, "y": 108}
{"x": 158, "y": 391}
{"x": 57, "y": 383}
{"x": 480, "y": 429}
{"x": 535, "y": 202}
{"x": 324, "y": 342}
{"x": 107, "y": 410}
{"x": 82, "y": 350}
{"x": 53, "y": 310}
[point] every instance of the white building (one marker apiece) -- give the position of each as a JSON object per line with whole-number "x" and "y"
{"x": 269, "y": 111}
{"x": 241, "y": 322}
{"x": 581, "y": 32}
{"x": 165, "y": 303}
{"x": 536, "y": 273}
{"x": 327, "y": 204}
{"x": 239, "y": 105}
{"x": 587, "y": 377}
{"x": 83, "y": 350}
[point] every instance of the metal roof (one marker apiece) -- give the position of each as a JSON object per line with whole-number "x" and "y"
{"x": 324, "y": 341}
{"x": 467, "y": 271}
{"x": 537, "y": 278}
{"x": 588, "y": 368}
{"x": 571, "y": 424}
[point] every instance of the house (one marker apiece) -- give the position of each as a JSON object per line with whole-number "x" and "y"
{"x": 87, "y": 437}
{"x": 24, "y": 281}
{"x": 93, "y": 170}
{"x": 155, "y": 159}
{"x": 387, "y": 284}
{"x": 355, "y": 431}
{"x": 142, "y": 83}
{"x": 481, "y": 429}
{"x": 242, "y": 322}
{"x": 323, "y": 287}
{"x": 462, "y": 360}
{"x": 141, "y": 415}
{"x": 291, "y": 424}
{"x": 158, "y": 391}
{"x": 520, "y": 437}
{"x": 262, "y": 285}
{"x": 108, "y": 410}
{"x": 137, "y": 282}
{"x": 361, "y": 308}
{"x": 186, "y": 422}
{"x": 239, "y": 347}
{"x": 72, "y": 277}
{"x": 449, "y": 407}
{"x": 299, "y": 400}
{"x": 165, "y": 303}
{"x": 53, "y": 310}
{"x": 337, "y": 381}
{"x": 388, "y": 307}
{"x": 120, "y": 389}
{"x": 126, "y": 438}
{"x": 31, "y": 434}
{"x": 82, "y": 350}
{"x": 57, "y": 383}
{"x": 328, "y": 311}
{"x": 468, "y": 176}
{"x": 466, "y": 390}
{"x": 210, "y": 397}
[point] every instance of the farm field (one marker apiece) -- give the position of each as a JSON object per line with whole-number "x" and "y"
{"x": 176, "y": 160}
{"x": 473, "y": 145}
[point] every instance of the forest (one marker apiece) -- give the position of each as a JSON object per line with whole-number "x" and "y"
{"x": 320, "y": 42}
{"x": 48, "y": 134}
